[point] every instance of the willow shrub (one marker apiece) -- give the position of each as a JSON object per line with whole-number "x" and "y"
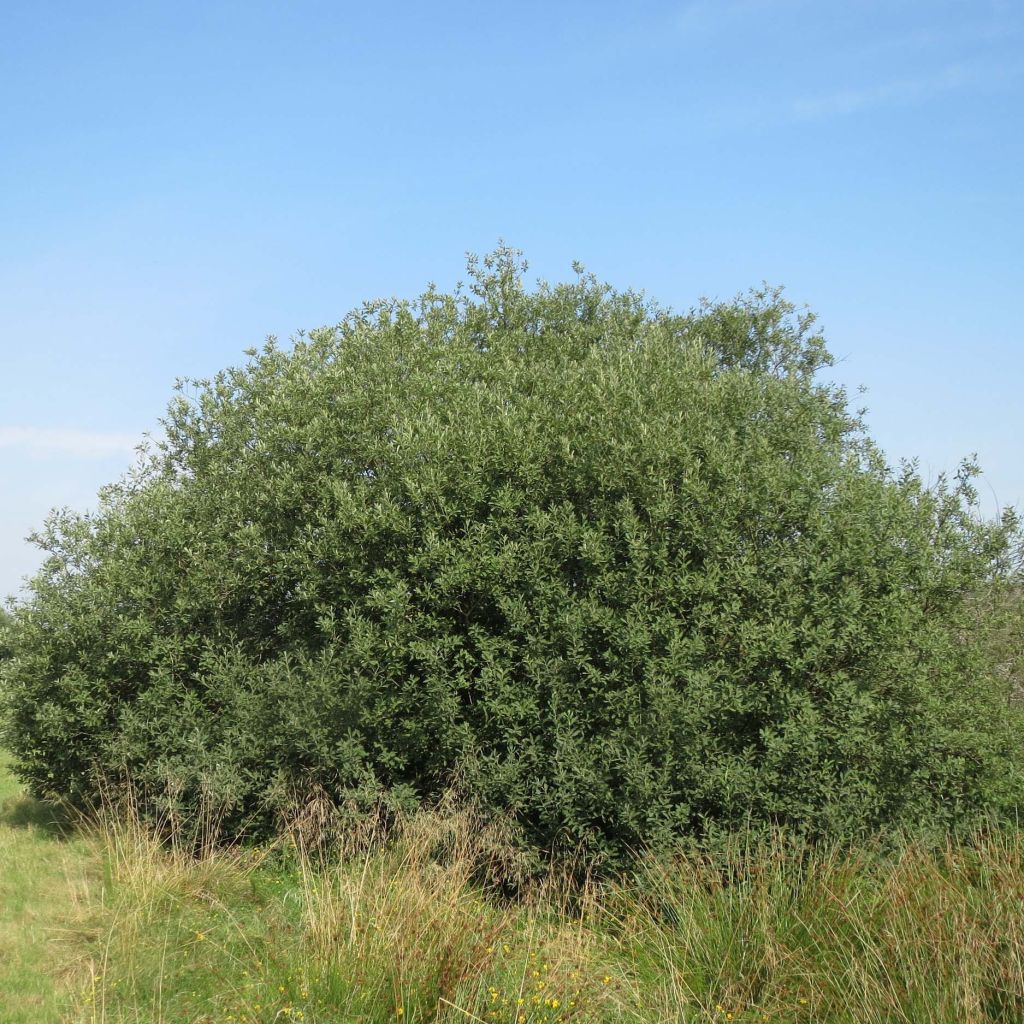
{"x": 626, "y": 574}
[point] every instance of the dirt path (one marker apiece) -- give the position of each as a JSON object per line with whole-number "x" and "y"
{"x": 44, "y": 879}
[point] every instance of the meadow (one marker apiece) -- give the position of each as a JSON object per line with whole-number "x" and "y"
{"x": 104, "y": 922}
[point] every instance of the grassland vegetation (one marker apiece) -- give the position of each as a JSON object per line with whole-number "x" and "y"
{"x": 150, "y": 926}
{"x": 47, "y": 879}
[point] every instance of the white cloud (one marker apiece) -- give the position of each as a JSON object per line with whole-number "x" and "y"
{"x": 898, "y": 93}
{"x": 83, "y": 444}
{"x": 701, "y": 18}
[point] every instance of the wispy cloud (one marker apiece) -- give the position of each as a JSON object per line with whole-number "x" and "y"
{"x": 928, "y": 39}
{"x": 83, "y": 444}
{"x": 900, "y": 92}
{"x": 702, "y": 18}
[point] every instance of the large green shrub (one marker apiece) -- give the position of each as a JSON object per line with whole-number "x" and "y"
{"x": 632, "y": 574}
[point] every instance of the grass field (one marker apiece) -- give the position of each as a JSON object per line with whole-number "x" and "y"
{"x": 110, "y": 927}
{"x": 47, "y": 882}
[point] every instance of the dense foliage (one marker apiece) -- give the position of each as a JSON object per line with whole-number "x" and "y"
{"x": 629, "y": 574}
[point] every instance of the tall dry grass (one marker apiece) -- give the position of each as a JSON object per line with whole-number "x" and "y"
{"x": 396, "y": 924}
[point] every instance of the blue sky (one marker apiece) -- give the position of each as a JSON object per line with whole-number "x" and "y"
{"x": 178, "y": 181}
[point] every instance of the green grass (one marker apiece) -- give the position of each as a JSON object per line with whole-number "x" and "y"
{"x": 115, "y": 927}
{"x": 403, "y": 933}
{"x": 46, "y": 881}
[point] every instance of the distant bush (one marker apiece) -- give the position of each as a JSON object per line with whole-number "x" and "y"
{"x": 629, "y": 574}
{"x": 5, "y": 626}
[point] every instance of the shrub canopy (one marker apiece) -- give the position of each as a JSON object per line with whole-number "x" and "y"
{"x": 629, "y": 574}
